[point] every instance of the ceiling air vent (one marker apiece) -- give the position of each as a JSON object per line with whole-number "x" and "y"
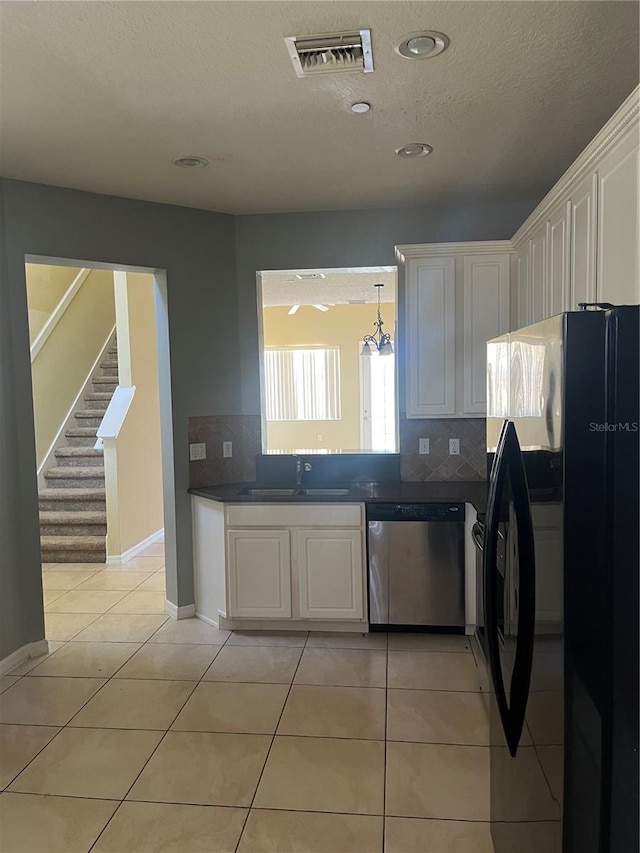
{"x": 323, "y": 54}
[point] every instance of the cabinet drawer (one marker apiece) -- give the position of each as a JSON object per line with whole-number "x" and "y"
{"x": 294, "y": 515}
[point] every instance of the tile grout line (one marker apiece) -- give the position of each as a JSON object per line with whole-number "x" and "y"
{"x": 384, "y": 769}
{"x": 67, "y": 724}
{"x": 166, "y": 732}
{"x": 275, "y": 731}
{"x": 255, "y": 808}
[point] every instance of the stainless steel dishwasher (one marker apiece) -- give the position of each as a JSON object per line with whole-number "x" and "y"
{"x": 416, "y": 564}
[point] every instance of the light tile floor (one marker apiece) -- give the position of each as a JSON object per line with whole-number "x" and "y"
{"x": 138, "y": 734}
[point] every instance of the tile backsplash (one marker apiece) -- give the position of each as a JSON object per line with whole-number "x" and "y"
{"x": 245, "y": 433}
{"x": 438, "y": 465}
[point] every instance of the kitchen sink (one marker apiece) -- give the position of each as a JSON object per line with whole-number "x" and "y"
{"x": 270, "y": 492}
{"x": 325, "y": 492}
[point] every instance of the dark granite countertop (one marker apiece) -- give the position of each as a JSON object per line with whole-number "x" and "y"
{"x": 473, "y": 492}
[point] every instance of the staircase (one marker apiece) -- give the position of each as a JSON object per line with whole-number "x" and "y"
{"x": 73, "y": 517}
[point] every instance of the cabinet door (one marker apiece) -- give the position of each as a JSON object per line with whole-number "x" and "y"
{"x": 430, "y": 323}
{"x": 523, "y": 288}
{"x": 618, "y": 279}
{"x": 557, "y": 284}
{"x": 486, "y": 315}
{"x": 583, "y": 244}
{"x": 538, "y": 274}
{"x": 259, "y": 571}
{"x": 330, "y": 574}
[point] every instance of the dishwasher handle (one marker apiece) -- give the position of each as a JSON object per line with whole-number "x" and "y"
{"x": 438, "y": 512}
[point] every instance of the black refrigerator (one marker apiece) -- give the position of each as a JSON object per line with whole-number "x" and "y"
{"x": 561, "y": 565}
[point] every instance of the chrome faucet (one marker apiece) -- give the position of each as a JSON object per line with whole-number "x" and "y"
{"x": 301, "y": 467}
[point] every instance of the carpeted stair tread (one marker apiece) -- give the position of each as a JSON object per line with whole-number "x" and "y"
{"x": 72, "y": 494}
{"x": 79, "y": 473}
{"x": 79, "y": 451}
{"x": 71, "y": 517}
{"x": 68, "y": 543}
{"x": 98, "y": 396}
{"x": 89, "y": 413}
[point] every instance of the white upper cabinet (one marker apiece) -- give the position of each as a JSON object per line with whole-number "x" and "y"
{"x": 558, "y": 249}
{"x": 456, "y": 298}
{"x": 430, "y": 300}
{"x": 618, "y": 276}
{"x": 523, "y": 289}
{"x": 485, "y": 316}
{"x": 583, "y": 243}
{"x": 579, "y": 245}
{"x": 538, "y": 272}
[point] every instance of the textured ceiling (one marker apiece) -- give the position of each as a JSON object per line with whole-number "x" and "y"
{"x": 101, "y": 95}
{"x": 283, "y": 288}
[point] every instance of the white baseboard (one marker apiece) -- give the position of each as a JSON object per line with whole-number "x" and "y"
{"x": 30, "y": 650}
{"x": 116, "y": 559}
{"x": 207, "y": 620}
{"x": 244, "y": 624}
{"x": 187, "y": 611}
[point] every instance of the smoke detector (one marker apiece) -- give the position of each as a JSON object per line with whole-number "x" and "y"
{"x": 323, "y": 54}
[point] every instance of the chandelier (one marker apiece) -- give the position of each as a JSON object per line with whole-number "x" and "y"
{"x": 380, "y": 340}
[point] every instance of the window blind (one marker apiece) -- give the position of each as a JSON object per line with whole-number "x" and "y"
{"x": 302, "y": 384}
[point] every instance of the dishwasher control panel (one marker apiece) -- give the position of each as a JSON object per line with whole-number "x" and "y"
{"x": 416, "y": 512}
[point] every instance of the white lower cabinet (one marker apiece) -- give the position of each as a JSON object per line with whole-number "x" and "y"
{"x": 330, "y": 574}
{"x": 297, "y": 562}
{"x": 259, "y": 573}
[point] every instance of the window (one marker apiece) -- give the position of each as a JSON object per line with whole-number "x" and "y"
{"x": 302, "y": 384}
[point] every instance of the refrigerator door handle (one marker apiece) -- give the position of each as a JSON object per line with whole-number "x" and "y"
{"x": 508, "y": 458}
{"x": 526, "y": 587}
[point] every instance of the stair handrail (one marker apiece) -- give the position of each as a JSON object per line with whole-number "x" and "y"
{"x": 115, "y": 415}
{"x": 56, "y": 315}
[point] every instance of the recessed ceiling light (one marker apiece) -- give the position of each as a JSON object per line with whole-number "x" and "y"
{"x": 414, "y": 149}
{"x": 360, "y": 107}
{"x": 190, "y": 162}
{"x": 423, "y": 45}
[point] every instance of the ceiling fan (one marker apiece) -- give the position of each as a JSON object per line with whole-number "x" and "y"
{"x": 320, "y": 307}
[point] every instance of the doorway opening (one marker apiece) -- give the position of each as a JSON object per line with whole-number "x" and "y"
{"x": 323, "y": 389}
{"x": 101, "y": 396}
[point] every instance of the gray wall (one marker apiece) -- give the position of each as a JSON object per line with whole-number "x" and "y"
{"x": 21, "y": 618}
{"x": 210, "y": 261}
{"x": 196, "y": 248}
{"x": 349, "y": 238}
